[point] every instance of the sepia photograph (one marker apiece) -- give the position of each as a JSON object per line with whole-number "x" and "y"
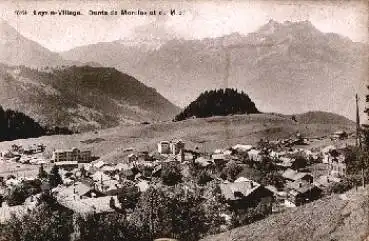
{"x": 184, "y": 120}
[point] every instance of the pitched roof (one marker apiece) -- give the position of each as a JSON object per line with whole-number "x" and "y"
{"x": 241, "y": 147}
{"x": 123, "y": 166}
{"x": 65, "y": 193}
{"x": 100, "y": 176}
{"x": 91, "y": 205}
{"x": 294, "y": 175}
{"x": 203, "y": 161}
{"x": 244, "y": 187}
{"x": 300, "y": 187}
{"x": 325, "y": 181}
{"x": 99, "y": 164}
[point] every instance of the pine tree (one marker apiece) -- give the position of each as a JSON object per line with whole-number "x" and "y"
{"x": 54, "y": 177}
{"x": 42, "y": 174}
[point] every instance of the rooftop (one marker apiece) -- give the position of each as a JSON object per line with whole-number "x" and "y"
{"x": 242, "y": 186}
{"x": 91, "y": 205}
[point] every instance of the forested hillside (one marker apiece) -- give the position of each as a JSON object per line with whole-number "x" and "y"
{"x": 81, "y": 98}
{"x": 220, "y": 102}
{"x": 15, "y": 125}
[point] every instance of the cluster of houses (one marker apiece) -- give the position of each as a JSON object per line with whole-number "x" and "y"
{"x": 34, "y": 154}
{"x": 92, "y": 186}
{"x": 301, "y": 186}
{"x": 30, "y": 154}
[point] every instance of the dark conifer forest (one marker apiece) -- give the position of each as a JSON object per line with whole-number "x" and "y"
{"x": 220, "y": 102}
{"x": 16, "y": 125}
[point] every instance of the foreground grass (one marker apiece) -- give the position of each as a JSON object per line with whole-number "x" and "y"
{"x": 333, "y": 218}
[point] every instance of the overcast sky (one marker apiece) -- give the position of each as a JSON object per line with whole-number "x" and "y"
{"x": 200, "y": 19}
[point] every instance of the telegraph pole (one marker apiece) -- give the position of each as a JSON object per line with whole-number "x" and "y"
{"x": 358, "y": 137}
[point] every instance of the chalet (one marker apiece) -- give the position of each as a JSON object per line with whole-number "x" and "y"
{"x": 132, "y": 158}
{"x": 284, "y": 162}
{"x": 143, "y": 156}
{"x": 85, "y": 207}
{"x": 32, "y": 149}
{"x": 339, "y": 135}
{"x": 123, "y": 166}
{"x": 255, "y": 155}
{"x": 245, "y": 193}
{"x": 292, "y": 175}
{"x": 204, "y": 163}
{"x": 338, "y": 169}
{"x": 99, "y": 164}
{"x": 164, "y": 147}
{"x": 242, "y": 148}
{"x": 325, "y": 181}
{"x": 73, "y": 154}
{"x": 109, "y": 169}
{"x": 300, "y": 193}
{"x": 76, "y": 191}
{"x": 279, "y": 196}
{"x": 108, "y": 187}
{"x": 218, "y": 151}
{"x": 220, "y": 160}
{"x": 176, "y": 147}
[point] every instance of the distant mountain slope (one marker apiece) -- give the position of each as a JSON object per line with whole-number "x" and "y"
{"x": 329, "y": 219}
{"x": 16, "y": 49}
{"x": 288, "y": 67}
{"x": 219, "y": 102}
{"x": 323, "y": 118}
{"x": 81, "y": 97}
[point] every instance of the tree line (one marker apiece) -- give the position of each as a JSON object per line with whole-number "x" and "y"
{"x": 219, "y": 102}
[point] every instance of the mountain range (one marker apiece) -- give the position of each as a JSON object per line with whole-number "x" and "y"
{"x": 288, "y": 67}
{"x": 81, "y": 98}
{"x": 16, "y": 49}
{"x": 59, "y": 92}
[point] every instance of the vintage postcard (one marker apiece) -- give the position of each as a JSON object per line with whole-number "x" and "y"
{"x": 184, "y": 120}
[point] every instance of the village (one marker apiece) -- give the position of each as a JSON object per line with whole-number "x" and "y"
{"x": 279, "y": 174}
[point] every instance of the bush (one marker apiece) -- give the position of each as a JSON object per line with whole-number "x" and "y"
{"x": 41, "y": 224}
{"x": 174, "y": 213}
{"x": 128, "y": 196}
{"x": 203, "y": 177}
{"x": 17, "y": 196}
{"x": 231, "y": 171}
{"x": 340, "y": 187}
{"x": 171, "y": 174}
{"x": 274, "y": 179}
